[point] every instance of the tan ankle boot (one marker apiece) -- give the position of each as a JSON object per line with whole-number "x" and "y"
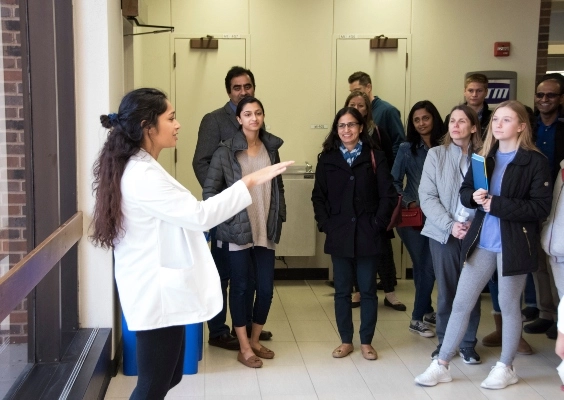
{"x": 524, "y": 347}
{"x": 494, "y": 338}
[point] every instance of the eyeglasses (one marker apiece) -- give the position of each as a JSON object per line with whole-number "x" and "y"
{"x": 540, "y": 95}
{"x": 348, "y": 124}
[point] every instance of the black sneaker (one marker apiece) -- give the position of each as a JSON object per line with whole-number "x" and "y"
{"x": 421, "y": 328}
{"x": 539, "y": 325}
{"x": 469, "y": 355}
{"x": 430, "y": 319}
{"x": 435, "y": 354}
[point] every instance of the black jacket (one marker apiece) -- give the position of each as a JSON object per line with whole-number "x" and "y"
{"x": 225, "y": 170}
{"x": 525, "y": 200}
{"x": 385, "y": 143}
{"x": 353, "y": 206}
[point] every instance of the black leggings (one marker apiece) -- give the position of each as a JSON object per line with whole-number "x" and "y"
{"x": 160, "y": 359}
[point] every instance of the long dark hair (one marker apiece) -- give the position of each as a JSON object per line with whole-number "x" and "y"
{"x": 139, "y": 110}
{"x": 437, "y": 132}
{"x": 333, "y": 141}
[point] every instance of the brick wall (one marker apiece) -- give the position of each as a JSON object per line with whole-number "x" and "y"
{"x": 13, "y": 240}
{"x": 544, "y": 29}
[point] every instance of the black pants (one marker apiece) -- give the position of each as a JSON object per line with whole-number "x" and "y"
{"x": 160, "y": 359}
{"x": 387, "y": 269}
{"x": 220, "y": 256}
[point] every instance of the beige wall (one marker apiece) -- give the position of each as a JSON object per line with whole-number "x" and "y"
{"x": 447, "y": 44}
{"x": 292, "y": 45}
{"x": 99, "y": 73}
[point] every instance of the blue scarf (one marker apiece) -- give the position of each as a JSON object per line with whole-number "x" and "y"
{"x": 350, "y": 156}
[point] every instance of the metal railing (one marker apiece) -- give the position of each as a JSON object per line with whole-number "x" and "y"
{"x": 26, "y": 274}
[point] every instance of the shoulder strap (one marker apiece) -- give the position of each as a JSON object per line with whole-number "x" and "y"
{"x": 378, "y": 132}
{"x": 373, "y": 161}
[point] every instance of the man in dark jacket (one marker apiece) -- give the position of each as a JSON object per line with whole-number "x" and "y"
{"x": 384, "y": 114}
{"x": 550, "y": 140}
{"x": 215, "y": 127}
{"x": 475, "y": 92}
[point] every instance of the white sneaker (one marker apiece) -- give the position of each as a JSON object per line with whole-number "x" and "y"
{"x": 500, "y": 377}
{"x": 436, "y": 373}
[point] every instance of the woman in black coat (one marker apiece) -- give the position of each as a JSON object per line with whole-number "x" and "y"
{"x": 387, "y": 270}
{"x": 353, "y": 200}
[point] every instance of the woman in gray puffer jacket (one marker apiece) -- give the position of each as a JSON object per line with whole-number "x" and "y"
{"x": 447, "y": 220}
{"x": 249, "y": 236}
{"x": 553, "y": 232}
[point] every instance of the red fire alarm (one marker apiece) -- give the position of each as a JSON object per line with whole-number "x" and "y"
{"x": 501, "y": 49}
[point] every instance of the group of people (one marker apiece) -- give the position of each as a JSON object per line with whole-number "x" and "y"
{"x": 470, "y": 237}
{"x": 167, "y": 277}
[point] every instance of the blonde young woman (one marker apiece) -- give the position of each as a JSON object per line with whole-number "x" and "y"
{"x": 502, "y": 238}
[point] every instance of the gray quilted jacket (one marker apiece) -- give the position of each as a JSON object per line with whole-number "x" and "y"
{"x": 552, "y": 237}
{"x": 225, "y": 170}
{"x": 438, "y": 190}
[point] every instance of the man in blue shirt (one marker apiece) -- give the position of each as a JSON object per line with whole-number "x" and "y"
{"x": 549, "y": 98}
{"x": 384, "y": 114}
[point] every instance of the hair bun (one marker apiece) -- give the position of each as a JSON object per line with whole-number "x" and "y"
{"x": 110, "y": 120}
{"x": 105, "y": 121}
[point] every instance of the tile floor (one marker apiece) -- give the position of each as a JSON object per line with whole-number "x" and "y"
{"x": 302, "y": 320}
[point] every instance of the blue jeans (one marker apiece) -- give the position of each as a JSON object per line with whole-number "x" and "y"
{"x": 366, "y": 269}
{"x": 530, "y": 291}
{"x": 423, "y": 273}
{"x": 160, "y": 359}
{"x": 251, "y": 268}
{"x": 217, "y": 325}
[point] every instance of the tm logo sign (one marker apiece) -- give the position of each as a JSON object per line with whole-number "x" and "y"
{"x": 497, "y": 92}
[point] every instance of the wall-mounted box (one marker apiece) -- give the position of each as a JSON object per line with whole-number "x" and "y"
{"x": 501, "y": 49}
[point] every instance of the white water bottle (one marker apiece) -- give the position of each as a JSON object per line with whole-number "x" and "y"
{"x": 462, "y": 217}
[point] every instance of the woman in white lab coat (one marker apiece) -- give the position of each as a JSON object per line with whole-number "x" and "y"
{"x": 165, "y": 274}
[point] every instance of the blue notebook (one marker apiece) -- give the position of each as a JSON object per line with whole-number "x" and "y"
{"x": 479, "y": 172}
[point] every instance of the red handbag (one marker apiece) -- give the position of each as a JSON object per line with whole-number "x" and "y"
{"x": 411, "y": 217}
{"x": 397, "y": 214}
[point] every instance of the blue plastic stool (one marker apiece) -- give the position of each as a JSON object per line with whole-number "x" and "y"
{"x": 193, "y": 351}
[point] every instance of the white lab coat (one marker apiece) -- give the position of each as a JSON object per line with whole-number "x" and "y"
{"x": 164, "y": 270}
